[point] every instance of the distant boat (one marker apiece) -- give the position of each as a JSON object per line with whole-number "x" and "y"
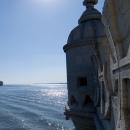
{"x": 1, "y": 83}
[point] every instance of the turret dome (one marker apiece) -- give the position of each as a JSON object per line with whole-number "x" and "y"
{"x": 89, "y": 25}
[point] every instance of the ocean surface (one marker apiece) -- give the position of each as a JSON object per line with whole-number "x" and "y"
{"x": 33, "y": 107}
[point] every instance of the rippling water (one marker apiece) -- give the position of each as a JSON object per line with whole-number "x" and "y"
{"x": 33, "y": 107}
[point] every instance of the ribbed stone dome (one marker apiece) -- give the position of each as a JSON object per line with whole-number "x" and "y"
{"x": 87, "y": 31}
{"x": 90, "y": 25}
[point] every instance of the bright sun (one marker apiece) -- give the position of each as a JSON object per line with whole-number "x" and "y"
{"x": 49, "y": 3}
{"x": 46, "y": 1}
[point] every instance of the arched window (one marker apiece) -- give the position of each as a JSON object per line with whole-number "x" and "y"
{"x": 87, "y": 101}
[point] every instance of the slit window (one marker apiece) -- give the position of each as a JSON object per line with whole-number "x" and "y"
{"x": 82, "y": 81}
{"x": 73, "y": 100}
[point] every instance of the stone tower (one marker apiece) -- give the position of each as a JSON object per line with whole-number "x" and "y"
{"x": 83, "y": 61}
{"x": 98, "y": 68}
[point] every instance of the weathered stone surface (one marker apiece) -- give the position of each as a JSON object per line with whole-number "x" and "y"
{"x": 98, "y": 67}
{"x": 116, "y": 19}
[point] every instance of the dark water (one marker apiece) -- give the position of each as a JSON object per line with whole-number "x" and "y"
{"x": 33, "y": 107}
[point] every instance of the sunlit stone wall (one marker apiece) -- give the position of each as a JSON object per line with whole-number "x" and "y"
{"x": 116, "y": 18}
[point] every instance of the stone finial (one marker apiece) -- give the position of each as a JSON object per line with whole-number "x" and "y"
{"x": 89, "y": 3}
{"x": 90, "y": 12}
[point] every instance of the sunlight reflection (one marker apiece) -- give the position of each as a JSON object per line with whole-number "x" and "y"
{"x": 53, "y": 93}
{"x": 56, "y": 93}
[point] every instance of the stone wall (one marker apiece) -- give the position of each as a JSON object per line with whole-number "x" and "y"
{"x": 116, "y": 18}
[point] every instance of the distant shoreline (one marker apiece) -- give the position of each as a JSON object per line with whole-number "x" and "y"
{"x": 35, "y": 84}
{"x": 49, "y": 83}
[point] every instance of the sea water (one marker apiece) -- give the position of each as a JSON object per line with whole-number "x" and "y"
{"x": 33, "y": 107}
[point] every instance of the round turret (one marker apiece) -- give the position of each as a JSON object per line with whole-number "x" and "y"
{"x": 82, "y": 57}
{"x": 82, "y": 69}
{"x": 90, "y": 26}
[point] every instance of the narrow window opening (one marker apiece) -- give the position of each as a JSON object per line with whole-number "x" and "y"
{"x": 126, "y": 98}
{"x": 73, "y": 100}
{"x": 116, "y": 88}
{"x": 82, "y": 81}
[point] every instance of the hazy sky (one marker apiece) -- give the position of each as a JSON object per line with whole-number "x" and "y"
{"x": 32, "y": 34}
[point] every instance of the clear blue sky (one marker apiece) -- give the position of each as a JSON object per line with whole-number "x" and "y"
{"x": 32, "y": 34}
